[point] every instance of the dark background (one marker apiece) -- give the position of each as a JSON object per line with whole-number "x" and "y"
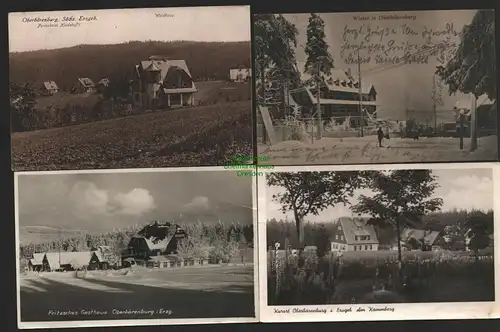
{"x": 9, "y": 322}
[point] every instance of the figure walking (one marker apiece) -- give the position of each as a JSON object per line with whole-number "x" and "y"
{"x": 380, "y": 136}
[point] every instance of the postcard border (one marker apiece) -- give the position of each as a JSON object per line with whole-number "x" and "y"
{"x": 134, "y": 322}
{"x": 410, "y": 311}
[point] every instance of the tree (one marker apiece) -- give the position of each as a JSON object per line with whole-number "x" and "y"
{"x": 319, "y": 60}
{"x": 480, "y": 228}
{"x": 402, "y": 198}
{"x": 473, "y": 67}
{"x": 311, "y": 192}
{"x": 22, "y": 106}
{"x": 275, "y": 42}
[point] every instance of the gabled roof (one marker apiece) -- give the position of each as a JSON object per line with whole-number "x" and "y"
{"x": 157, "y": 235}
{"x": 164, "y": 66}
{"x": 358, "y": 227}
{"x": 50, "y": 85}
{"x": 56, "y": 259}
{"x": 427, "y": 237}
{"x": 37, "y": 258}
{"x": 86, "y": 82}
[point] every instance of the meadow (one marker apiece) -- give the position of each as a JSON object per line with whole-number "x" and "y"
{"x": 376, "y": 277}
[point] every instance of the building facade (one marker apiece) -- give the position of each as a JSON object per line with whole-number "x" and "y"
{"x": 353, "y": 234}
{"x": 240, "y": 75}
{"x": 160, "y": 82}
{"x": 49, "y": 88}
{"x": 83, "y": 85}
{"x": 339, "y": 99}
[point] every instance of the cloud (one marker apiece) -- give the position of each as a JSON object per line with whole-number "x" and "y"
{"x": 198, "y": 203}
{"x": 468, "y": 192}
{"x": 89, "y": 200}
{"x": 136, "y": 202}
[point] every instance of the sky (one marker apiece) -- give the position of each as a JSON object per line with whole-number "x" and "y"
{"x": 229, "y": 23}
{"x": 459, "y": 188}
{"x": 400, "y": 87}
{"x": 95, "y": 202}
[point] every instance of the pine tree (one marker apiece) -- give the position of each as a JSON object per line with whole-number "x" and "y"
{"x": 317, "y": 49}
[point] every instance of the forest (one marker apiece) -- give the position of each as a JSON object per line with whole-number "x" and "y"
{"x": 216, "y": 238}
{"x": 205, "y": 60}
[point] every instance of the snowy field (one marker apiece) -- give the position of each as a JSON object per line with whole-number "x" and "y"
{"x": 365, "y": 150}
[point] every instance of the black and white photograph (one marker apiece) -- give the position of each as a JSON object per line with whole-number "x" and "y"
{"x": 128, "y": 247}
{"x": 378, "y": 238}
{"x": 376, "y": 87}
{"x": 130, "y": 88}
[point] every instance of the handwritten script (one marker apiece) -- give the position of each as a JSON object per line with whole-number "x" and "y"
{"x": 68, "y": 21}
{"x": 399, "y": 43}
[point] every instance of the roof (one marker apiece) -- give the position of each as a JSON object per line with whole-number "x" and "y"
{"x": 50, "y": 85}
{"x": 37, "y": 258}
{"x": 164, "y": 66}
{"x": 338, "y": 76}
{"x": 104, "y": 81}
{"x": 86, "y": 82}
{"x": 355, "y": 227}
{"x": 428, "y": 237}
{"x": 57, "y": 259}
{"x": 157, "y": 235}
{"x": 324, "y": 101}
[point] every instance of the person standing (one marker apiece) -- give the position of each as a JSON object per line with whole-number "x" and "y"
{"x": 380, "y": 136}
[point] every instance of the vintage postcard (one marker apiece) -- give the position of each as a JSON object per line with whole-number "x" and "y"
{"x": 135, "y": 247}
{"x": 130, "y": 88}
{"x": 378, "y": 243}
{"x": 381, "y": 87}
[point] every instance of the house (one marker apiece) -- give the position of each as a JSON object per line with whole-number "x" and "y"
{"x": 66, "y": 261}
{"x": 155, "y": 239}
{"x": 339, "y": 98}
{"x": 36, "y": 263}
{"x": 240, "y": 74}
{"x": 420, "y": 239}
{"x": 103, "y": 258}
{"x": 354, "y": 234}
{"x": 161, "y": 82}
{"x": 84, "y": 84}
{"x": 104, "y": 82}
{"x": 49, "y": 88}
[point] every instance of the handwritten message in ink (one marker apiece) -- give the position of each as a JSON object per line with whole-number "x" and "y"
{"x": 66, "y": 21}
{"x": 369, "y": 41}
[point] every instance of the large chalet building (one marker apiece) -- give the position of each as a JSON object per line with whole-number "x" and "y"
{"x": 161, "y": 82}
{"x": 353, "y": 234}
{"x": 339, "y": 98}
{"x": 153, "y": 241}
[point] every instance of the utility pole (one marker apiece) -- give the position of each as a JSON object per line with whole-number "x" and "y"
{"x": 473, "y": 122}
{"x": 434, "y": 96}
{"x": 318, "y": 99}
{"x": 360, "y": 91}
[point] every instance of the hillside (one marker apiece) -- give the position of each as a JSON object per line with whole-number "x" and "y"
{"x": 204, "y": 59}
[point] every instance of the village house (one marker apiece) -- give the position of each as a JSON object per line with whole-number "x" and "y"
{"x": 240, "y": 75}
{"x": 417, "y": 239}
{"x": 104, "y": 82}
{"x": 353, "y": 234}
{"x": 49, "y": 88}
{"x": 36, "y": 263}
{"x": 69, "y": 261}
{"x": 84, "y": 84}
{"x": 339, "y": 98}
{"x": 154, "y": 240}
{"x": 161, "y": 82}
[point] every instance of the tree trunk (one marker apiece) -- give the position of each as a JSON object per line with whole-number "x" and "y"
{"x": 263, "y": 93}
{"x": 400, "y": 259}
{"x": 299, "y": 223}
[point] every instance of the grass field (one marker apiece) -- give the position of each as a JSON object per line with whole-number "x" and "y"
{"x": 197, "y": 136}
{"x": 197, "y": 292}
{"x": 365, "y": 150}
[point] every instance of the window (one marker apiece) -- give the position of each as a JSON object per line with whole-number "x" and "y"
{"x": 355, "y": 248}
{"x": 355, "y": 238}
{"x": 342, "y": 237}
{"x": 366, "y": 247}
{"x": 339, "y": 228}
{"x": 336, "y": 236}
{"x": 370, "y": 247}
